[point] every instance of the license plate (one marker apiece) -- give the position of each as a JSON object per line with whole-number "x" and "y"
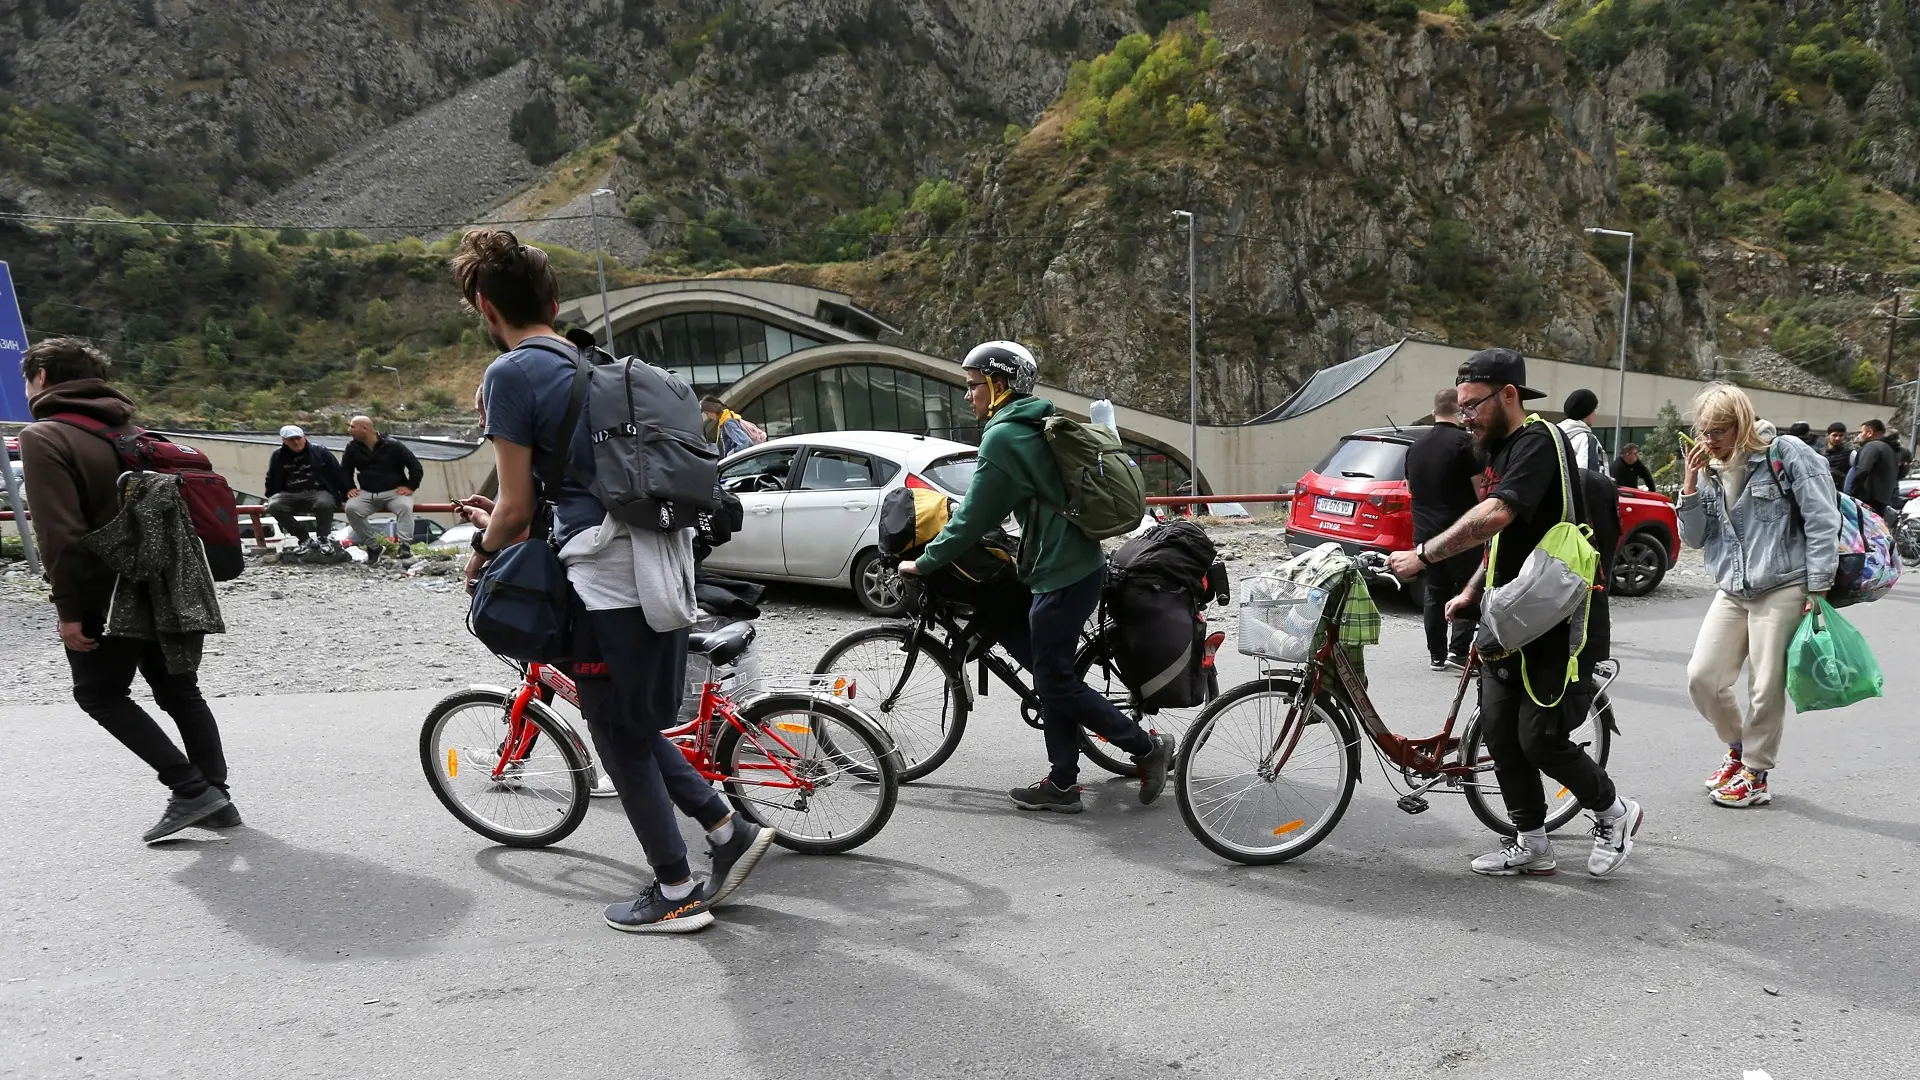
{"x": 1336, "y": 507}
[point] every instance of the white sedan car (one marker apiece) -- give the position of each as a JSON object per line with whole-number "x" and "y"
{"x": 813, "y": 507}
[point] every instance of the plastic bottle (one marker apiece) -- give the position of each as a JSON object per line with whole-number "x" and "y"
{"x": 1101, "y": 412}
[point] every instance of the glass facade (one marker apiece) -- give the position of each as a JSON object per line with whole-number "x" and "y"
{"x": 873, "y": 397}
{"x": 711, "y": 350}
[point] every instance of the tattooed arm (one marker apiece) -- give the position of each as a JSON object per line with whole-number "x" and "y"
{"x": 1474, "y": 529}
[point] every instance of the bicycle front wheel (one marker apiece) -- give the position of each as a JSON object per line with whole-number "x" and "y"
{"x": 1092, "y": 667}
{"x": 817, "y": 773}
{"x": 1263, "y": 777}
{"x": 538, "y": 799}
{"x": 927, "y": 717}
{"x": 1594, "y": 735}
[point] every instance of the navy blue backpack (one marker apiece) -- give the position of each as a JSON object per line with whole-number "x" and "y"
{"x": 522, "y": 604}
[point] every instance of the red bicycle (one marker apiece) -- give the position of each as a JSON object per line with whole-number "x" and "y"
{"x": 797, "y": 759}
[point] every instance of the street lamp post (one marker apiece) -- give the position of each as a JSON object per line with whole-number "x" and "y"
{"x": 600, "y": 259}
{"x": 1193, "y": 367}
{"x": 1626, "y": 308}
{"x": 399, "y": 388}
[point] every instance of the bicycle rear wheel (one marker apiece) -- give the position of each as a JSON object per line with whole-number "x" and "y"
{"x": 930, "y": 714}
{"x": 1091, "y": 668}
{"x": 1251, "y": 804}
{"x": 820, "y": 775}
{"x": 538, "y": 801}
{"x": 1594, "y": 735}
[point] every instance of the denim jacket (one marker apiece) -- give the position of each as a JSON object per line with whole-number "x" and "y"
{"x": 1757, "y": 545}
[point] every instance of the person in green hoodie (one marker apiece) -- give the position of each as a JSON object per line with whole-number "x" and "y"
{"x": 1064, "y": 568}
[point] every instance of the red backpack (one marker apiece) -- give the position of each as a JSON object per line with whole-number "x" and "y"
{"x": 209, "y": 498}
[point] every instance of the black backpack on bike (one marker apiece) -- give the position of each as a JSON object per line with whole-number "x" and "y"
{"x": 1157, "y": 583}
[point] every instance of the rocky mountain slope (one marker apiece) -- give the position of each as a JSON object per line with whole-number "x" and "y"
{"x": 1360, "y": 169}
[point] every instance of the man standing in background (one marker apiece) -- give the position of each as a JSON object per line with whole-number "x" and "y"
{"x": 1579, "y": 407}
{"x": 382, "y": 474}
{"x": 1629, "y": 471}
{"x": 1440, "y": 471}
{"x": 1876, "y": 472}
{"x": 1839, "y": 456}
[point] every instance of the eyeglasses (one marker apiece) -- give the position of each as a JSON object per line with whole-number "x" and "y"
{"x": 1714, "y": 434}
{"x": 1469, "y": 408}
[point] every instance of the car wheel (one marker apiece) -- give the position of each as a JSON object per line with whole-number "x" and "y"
{"x": 1639, "y": 565}
{"x": 876, "y": 581}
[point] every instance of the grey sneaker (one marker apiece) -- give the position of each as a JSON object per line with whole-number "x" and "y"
{"x": 183, "y": 813}
{"x": 1613, "y": 840}
{"x": 735, "y": 859}
{"x": 653, "y": 913}
{"x": 1514, "y": 859}
{"x": 1045, "y": 796}
{"x": 1154, "y": 765}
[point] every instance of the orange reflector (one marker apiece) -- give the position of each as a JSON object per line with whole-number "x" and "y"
{"x": 1289, "y": 827}
{"x": 1562, "y": 794}
{"x": 453, "y": 763}
{"x": 792, "y": 728}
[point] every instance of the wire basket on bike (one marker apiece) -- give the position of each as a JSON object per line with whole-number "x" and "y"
{"x": 1279, "y": 619}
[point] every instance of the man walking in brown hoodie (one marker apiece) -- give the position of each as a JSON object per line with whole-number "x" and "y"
{"x": 74, "y": 475}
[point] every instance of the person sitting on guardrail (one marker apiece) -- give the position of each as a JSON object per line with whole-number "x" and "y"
{"x": 1529, "y": 700}
{"x": 382, "y": 474}
{"x": 1063, "y": 566}
{"x": 304, "y": 478}
{"x": 76, "y": 493}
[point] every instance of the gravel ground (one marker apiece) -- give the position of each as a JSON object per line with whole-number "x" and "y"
{"x": 312, "y": 629}
{"x": 447, "y": 163}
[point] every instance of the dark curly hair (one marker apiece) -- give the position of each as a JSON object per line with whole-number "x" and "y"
{"x": 65, "y": 359}
{"x": 515, "y": 278}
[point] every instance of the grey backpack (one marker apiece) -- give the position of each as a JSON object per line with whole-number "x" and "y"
{"x": 652, "y": 466}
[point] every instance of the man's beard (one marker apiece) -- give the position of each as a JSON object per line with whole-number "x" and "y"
{"x": 1490, "y": 432}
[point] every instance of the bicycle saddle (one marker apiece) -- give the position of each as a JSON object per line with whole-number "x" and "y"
{"x": 722, "y": 646}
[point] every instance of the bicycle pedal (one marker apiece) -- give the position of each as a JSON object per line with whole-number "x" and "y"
{"x": 1413, "y": 804}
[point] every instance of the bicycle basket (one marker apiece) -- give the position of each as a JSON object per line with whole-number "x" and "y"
{"x": 1279, "y": 618}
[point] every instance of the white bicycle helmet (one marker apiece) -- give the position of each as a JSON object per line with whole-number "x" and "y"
{"x": 1008, "y": 361}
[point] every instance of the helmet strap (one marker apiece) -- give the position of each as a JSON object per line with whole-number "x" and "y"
{"x": 999, "y": 399}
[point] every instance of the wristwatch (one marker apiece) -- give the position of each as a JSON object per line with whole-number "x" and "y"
{"x": 1419, "y": 552}
{"x": 478, "y": 549}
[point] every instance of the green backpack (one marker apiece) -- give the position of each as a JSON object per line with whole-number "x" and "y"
{"x": 1106, "y": 495}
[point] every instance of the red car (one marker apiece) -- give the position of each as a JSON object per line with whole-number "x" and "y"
{"x": 1357, "y": 497}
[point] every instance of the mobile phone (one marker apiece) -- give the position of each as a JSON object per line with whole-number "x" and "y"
{"x": 1687, "y": 441}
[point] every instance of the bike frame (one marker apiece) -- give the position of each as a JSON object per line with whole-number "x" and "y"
{"x": 695, "y": 739}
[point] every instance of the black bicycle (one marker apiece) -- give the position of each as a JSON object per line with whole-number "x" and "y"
{"x": 911, "y": 678}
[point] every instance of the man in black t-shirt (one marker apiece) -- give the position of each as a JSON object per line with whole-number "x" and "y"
{"x": 1532, "y": 469}
{"x": 1440, "y": 472}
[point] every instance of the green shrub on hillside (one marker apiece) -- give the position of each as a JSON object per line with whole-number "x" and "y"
{"x": 1142, "y": 90}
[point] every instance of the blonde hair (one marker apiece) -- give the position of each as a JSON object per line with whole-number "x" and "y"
{"x": 1724, "y": 403}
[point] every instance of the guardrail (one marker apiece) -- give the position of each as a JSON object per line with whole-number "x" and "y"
{"x": 256, "y": 513}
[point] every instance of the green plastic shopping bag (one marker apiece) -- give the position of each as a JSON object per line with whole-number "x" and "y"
{"x": 1828, "y": 663}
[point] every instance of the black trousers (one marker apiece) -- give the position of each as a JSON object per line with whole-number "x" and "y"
{"x": 102, "y": 684}
{"x": 1527, "y": 740}
{"x": 630, "y": 678}
{"x": 1443, "y": 581}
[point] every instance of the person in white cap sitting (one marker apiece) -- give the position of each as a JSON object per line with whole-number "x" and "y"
{"x": 304, "y": 478}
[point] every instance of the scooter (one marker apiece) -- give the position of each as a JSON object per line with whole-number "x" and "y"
{"x": 1907, "y": 536}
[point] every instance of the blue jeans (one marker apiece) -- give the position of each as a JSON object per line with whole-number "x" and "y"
{"x": 1045, "y": 646}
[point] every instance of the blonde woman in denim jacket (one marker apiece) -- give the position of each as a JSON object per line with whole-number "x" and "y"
{"x": 1763, "y": 510}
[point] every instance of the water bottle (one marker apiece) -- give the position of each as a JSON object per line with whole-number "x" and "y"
{"x": 1101, "y": 412}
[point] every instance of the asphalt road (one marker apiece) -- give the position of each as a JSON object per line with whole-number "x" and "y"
{"x": 353, "y": 929}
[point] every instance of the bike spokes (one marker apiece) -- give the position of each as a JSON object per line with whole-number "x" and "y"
{"x": 1266, "y": 778}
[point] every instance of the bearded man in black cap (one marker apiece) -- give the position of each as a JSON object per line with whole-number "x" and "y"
{"x": 1533, "y": 473}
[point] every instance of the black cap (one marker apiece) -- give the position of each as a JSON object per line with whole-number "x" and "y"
{"x": 1581, "y": 403}
{"x": 1800, "y": 428}
{"x": 1500, "y": 367}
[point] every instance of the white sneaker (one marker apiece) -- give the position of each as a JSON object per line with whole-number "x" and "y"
{"x": 1516, "y": 858}
{"x": 1613, "y": 840}
{"x": 603, "y": 787}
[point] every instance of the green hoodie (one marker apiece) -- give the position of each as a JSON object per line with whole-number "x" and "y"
{"x": 1016, "y": 474}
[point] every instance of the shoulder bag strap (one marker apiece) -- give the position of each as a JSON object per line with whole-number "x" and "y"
{"x": 558, "y": 466}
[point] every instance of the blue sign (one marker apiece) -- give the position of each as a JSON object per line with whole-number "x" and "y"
{"x": 13, "y": 346}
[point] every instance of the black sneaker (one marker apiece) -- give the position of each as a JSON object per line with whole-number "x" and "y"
{"x": 735, "y": 859}
{"x": 1436, "y": 665}
{"x": 374, "y": 551}
{"x": 227, "y": 817}
{"x": 655, "y": 914}
{"x": 1045, "y": 796}
{"x": 1457, "y": 662}
{"x": 1153, "y": 767}
{"x": 183, "y": 813}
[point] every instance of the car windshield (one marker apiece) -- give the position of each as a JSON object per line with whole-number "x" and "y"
{"x": 954, "y": 474}
{"x": 1366, "y": 459}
